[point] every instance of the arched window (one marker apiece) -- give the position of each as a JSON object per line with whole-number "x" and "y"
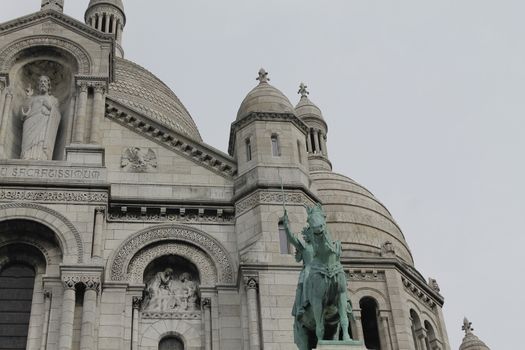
{"x": 103, "y": 26}
{"x": 248, "y": 144}
{"x": 16, "y": 294}
{"x": 431, "y": 339}
{"x": 299, "y": 151}
{"x": 171, "y": 343}
{"x": 276, "y": 152}
{"x": 416, "y": 327}
{"x": 110, "y": 29}
{"x": 369, "y": 311}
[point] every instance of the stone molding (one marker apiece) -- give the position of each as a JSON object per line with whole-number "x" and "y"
{"x": 172, "y": 315}
{"x": 95, "y": 82}
{"x": 204, "y": 264}
{"x": 271, "y": 197}
{"x": 366, "y": 275}
{"x": 418, "y": 293}
{"x": 9, "y": 53}
{"x": 53, "y": 196}
{"x": 172, "y": 140}
{"x": 16, "y": 211}
{"x": 29, "y": 241}
{"x": 257, "y": 116}
{"x": 183, "y": 216}
{"x": 123, "y": 255}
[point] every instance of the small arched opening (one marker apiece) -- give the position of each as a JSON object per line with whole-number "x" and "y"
{"x": 171, "y": 343}
{"x": 415, "y": 325}
{"x": 369, "y": 322}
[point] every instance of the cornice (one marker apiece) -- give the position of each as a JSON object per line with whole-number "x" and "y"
{"x": 195, "y": 151}
{"x": 255, "y": 116}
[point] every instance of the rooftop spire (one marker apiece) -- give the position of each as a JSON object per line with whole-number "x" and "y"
{"x": 263, "y": 76}
{"x": 57, "y": 5}
{"x": 467, "y": 326}
{"x": 302, "y": 90}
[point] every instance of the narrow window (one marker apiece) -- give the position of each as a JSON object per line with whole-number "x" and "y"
{"x": 248, "y": 149}
{"x": 97, "y": 19}
{"x": 117, "y": 29}
{"x": 299, "y": 153}
{"x": 415, "y": 325}
{"x": 276, "y": 152}
{"x": 312, "y": 140}
{"x": 284, "y": 247}
{"x": 110, "y": 29}
{"x": 16, "y": 294}
{"x": 369, "y": 322}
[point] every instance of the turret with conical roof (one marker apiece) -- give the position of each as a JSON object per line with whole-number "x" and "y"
{"x": 471, "y": 341}
{"x": 107, "y": 16}
{"x": 316, "y": 138}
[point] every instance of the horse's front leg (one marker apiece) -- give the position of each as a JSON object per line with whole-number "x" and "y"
{"x": 317, "y": 308}
{"x": 343, "y": 316}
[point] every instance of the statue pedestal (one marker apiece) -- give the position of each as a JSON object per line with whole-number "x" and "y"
{"x": 85, "y": 154}
{"x": 340, "y": 345}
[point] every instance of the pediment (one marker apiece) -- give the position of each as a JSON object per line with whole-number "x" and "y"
{"x": 52, "y": 23}
{"x": 198, "y": 152}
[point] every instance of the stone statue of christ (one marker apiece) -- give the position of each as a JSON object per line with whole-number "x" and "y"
{"x": 41, "y": 117}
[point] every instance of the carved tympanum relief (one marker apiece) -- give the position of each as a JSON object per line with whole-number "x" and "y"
{"x": 41, "y": 118}
{"x": 138, "y": 160}
{"x": 172, "y": 286}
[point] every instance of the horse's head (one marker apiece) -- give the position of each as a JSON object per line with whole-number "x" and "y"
{"x": 316, "y": 219}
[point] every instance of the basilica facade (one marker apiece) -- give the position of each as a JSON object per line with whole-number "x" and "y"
{"x": 121, "y": 229}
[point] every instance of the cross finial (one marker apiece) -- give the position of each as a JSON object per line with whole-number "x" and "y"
{"x": 467, "y": 326}
{"x": 263, "y": 76}
{"x": 303, "y": 91}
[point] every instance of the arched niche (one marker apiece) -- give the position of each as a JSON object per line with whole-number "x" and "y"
{"x": 172, "y": 286}
{"x": 213, "y": 261}
{"x": 370, "y": 323}
{"x": 26, "y": 66}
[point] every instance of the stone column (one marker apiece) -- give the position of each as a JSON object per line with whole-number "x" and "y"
{"x": 137, "y": 301}
{"x": 80, "y": 118}
{"x": 358, "y": 325}
{"x": 206, "y": 307}
{"x": 385, "y": 332}
{"x": 107, "y": 23}
{"x": 87, "y": 332}
{"x": 98, "y": 235}
{"x": 250, "y": 283}
{"x": 68, "y": 313}
{"x": 323, "y": 144}
{"x": 98, "y": 113}
{"x": 2, "y": 96}
{"x": 114, "y": 29}
{"x": 309, "y": 142}
{"x": 45, "y": 324}
{"x": 316, "y": 141}
{"x": 5, "y": 116}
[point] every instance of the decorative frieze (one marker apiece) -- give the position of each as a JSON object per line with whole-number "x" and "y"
{"x": 182, "y": 215}
{"x": 89, "y": 281}
{"x": 365, "y": 275}
{"x": 172, "y": 315}
{"x": 418, "y": 293}
{"x": 271, "y": 197}
{"x": 55, "y": 196}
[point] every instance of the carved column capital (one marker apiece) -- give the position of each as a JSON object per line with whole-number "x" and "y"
{"x": 89, "y": 282}
{"x": 99, "y": 88}
{"x": 69, "y": 282}
{"x": 92, "y": 283}
{"x": 206, "y": 303}
{"x": 100, "y": 210}
{"x": 251, "y": 282}
{"x": 82, "y": 86}
{"x": 137, "y": 302}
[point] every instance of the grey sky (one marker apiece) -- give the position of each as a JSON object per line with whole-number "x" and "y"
{"x": 425, "y": 106}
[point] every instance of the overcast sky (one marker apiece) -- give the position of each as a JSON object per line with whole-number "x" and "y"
{"x": 425, "y": 106}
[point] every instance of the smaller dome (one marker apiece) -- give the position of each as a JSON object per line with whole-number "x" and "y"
{"x": 471, "y": 341}
{"x": 264, "y": 98}
{"x": 306, "y": 108}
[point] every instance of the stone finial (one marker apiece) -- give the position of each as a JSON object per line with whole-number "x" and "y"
{"x": 302, "y": 90}
{"x": 432, "y": 282}
{"x": 467, "y": 326}
{"x": 57, "y": 5}
{"x": 263, "y": 76}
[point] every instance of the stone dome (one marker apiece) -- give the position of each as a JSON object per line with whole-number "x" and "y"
{"x": 264, "y": 98}
{"x": 358, "y": 219}
{"x": 139, "y": 90}
{"x": 471, "y": 341}
{"x": 307, "y": 109}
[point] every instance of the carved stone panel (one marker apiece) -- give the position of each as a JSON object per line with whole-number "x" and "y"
{"x": 138, "y": 160}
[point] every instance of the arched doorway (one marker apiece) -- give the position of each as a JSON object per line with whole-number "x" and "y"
{"x": 369, "y": 312}
{"x": 171, "y": 343}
